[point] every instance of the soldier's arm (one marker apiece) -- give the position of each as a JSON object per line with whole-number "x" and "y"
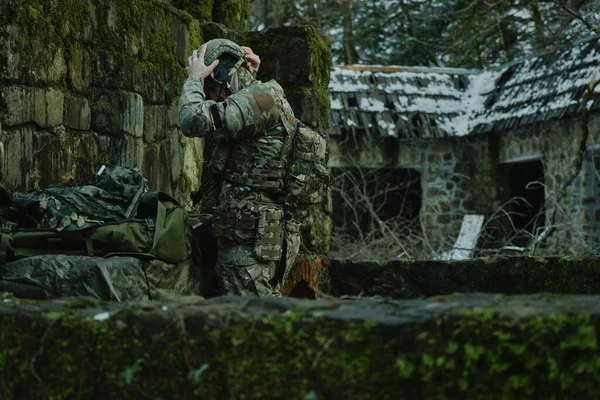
{"x": 194, "y": 109}
{"x": 241, "y": 115}
{"x": 201, "y": 117}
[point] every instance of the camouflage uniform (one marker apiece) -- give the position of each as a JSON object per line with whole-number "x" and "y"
{"x": 247, "y": 145}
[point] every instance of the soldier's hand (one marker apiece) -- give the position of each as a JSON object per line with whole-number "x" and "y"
{"x": 197, "y": 68}
{"x": 252, "y": 60}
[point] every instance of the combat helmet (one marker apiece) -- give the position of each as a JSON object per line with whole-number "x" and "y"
{"x": 230, "y": 72}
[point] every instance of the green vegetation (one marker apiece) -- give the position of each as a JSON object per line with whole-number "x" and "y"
{"x": 135, "y": 352}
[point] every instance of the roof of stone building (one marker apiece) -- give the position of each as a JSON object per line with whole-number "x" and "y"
{"x": 441, "y": 102}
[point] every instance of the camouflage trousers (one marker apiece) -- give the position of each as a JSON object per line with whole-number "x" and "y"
{"x": 240, "y": 272}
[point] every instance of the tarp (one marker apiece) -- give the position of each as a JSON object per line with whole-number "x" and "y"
{"x": 113, "y": 194}
{"x": 111, "y": 278}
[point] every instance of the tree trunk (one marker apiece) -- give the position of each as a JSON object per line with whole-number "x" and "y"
{"x": 350, "y": 55}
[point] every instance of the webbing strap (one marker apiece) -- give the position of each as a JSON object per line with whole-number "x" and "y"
{"x": 270, "y": 240}
{"x": 27, "y": 252}
{"x": 4, "y": 242}
{"x": 259, "y": 183}
{"x": 306, "y": 156}
{"x": 161, "y": 213}
{"x": 214, "y": 110}
{"x": 89, "y": 246}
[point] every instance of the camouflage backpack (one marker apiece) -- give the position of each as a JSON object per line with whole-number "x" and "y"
{"x": 113, "y": 214}
{"x": 308, "y": 177}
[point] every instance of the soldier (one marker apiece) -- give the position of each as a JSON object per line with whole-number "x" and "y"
{"x": 247, "y": 125}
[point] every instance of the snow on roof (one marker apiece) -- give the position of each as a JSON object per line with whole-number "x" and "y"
{"x": 439, "y": 102}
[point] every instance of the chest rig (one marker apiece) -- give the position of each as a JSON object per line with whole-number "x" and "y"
{"x": 259, "y": 158}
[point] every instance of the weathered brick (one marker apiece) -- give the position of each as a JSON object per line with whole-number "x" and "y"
{"x": 155, "y": 127}
{"x": 77, "y": 113}
{"x": 27, "y": 104}
{"x": 80, "y": 71}
{"x": 133, "y": 114}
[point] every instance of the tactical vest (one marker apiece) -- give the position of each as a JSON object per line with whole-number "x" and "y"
{"x": 259, "y": 162}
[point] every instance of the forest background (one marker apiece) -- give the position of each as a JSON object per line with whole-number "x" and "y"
{"x": 443, "y": 33}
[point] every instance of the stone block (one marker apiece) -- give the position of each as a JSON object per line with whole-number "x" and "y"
{"x": 77, "y": 113}
{"x": 173, "y": 115}
{"x": 155, "y": 123}
{"x": 200, "y": 10}
{"x": 185, "y": 166}
{"x": 17, "y": 158}
{"x": 133, "y": 114}
{"x": 114, "y": 113}
{"x": 311, "y": 106}
{"x": 111, "y": 16}
{"x": 131, "y": 154}
{"x": 299, "y": 58}
{"x": 26, "y": 104}
{"x": 294, "y": 56}
{"x": 180, "y": 35}
{"x": 186, "y": 178}
{"x": 232, "y": 13}
{"x": 153, "y": 26}
{"x": 156, "y": 166}
{"x": 477, "y": 346}
{"x": 119, "y": 71}
{"x": 106, "y": 112}
{"x": 26, "y": 58}
{"x": 31, "y": 159}
{"x": 79, "y": 65}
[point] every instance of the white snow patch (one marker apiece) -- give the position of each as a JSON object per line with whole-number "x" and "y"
{"x": 374, "y": 105}
{"x": 388, "y": 127}
{"x": 336, "y": 104}
{"x": 102, "y": 316}
{"x": 474, "y": 102}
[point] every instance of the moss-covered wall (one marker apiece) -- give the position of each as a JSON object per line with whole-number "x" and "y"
{"x": 84, "y": 82}
{"x": 506, "y": 275}
{"x": 468, "y": 347}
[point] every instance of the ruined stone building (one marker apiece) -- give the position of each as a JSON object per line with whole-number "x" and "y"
{"x": 519, "y": 145}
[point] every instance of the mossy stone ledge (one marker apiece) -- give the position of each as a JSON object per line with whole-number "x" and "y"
{"x": 509, "y": 275}
{"x": 460, "y": 346}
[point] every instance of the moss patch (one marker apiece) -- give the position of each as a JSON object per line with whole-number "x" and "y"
{"x": 199, "y": 9}
{"x": 313, "y": 105}
{"x": 232, "y": 13}
{"x": 293, "y": 350}
{"x": 516, "y": 275}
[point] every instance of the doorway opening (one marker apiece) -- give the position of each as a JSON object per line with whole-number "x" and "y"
{"x": 522, "y": 199}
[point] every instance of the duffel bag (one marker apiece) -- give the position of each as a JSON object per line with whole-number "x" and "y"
{"x": 161, "y": 230}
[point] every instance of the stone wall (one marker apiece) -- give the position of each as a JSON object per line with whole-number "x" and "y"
{"x": 566, "y": 150}
{"x": 98, "y": 81}
{"x": 456, "y": 176}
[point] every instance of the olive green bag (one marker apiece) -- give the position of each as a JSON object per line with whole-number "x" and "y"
{"x": 161, "y": 230}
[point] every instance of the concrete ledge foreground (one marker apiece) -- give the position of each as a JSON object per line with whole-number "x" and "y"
{"x": 479, "y": 346}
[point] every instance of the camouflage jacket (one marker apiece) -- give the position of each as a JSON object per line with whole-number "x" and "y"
{"x": 247, "y": 142}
